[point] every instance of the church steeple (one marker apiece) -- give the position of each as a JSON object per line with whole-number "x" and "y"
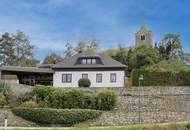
{"x": 143, "y": 36}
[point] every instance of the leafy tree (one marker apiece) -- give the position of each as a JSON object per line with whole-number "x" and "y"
{"x": 143, "y": 56}
{"x": 93, "y": 45}
{"x": 52, "y": 59}
{"x": 82, "y": 46}
{"x": 7, "y": 55}
{"x": 170, "y": 47}
{"x": 171, "y": 65}
{"x": 28, "y": 62}
{"x": 69, "y": 50}
{"x": 16, "y": 49}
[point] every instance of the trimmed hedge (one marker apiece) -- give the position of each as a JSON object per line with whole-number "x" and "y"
{"x": 161, "y": 78}
{"x": 76, "y": 98}
{"x": 56, "y": 116}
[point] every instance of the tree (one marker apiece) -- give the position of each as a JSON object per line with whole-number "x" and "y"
{"x": 82, "y": 46}
{"x": 52, "y": 59}
{"x": 143, "y": 56}
{"x": 69, "y": 50}
{"x": 32, "y": 62}
{"x": 7, "y": 55}
{"x": 93, "y": 45}
{"x": 15, "y": 49}
{"x": 170, "y": 47}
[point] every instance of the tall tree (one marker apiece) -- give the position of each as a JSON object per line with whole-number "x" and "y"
{"x": 7, "y": 55}
{"x": 16, "y": 49}
{"x": 170, "y": 47}
{"x": 69, "y": 50}
{"x": 23, "y": 48}
{"x": 52, "y": 59}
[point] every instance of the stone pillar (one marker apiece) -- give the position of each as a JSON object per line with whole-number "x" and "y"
{"x": 0, "y": 74}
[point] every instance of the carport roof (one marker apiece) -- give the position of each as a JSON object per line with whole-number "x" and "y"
{"x": 26, "y": 69}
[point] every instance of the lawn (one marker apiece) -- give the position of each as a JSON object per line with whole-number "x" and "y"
{"x": 161, "y": 126}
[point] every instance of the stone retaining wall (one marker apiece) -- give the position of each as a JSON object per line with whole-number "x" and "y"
{"x": 155, "y": 104}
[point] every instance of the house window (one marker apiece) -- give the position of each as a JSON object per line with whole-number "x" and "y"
{"x": 113, "y": 77}
{"x": 93, "y": 61}
{"x": 99, "y": 78}
{"x": 143, "y": 37}
{"x": 83, "y": 61}
{"x": 89, "y": 61}
{"x": 84, "y": 75}
{"x": 67, "y": 78}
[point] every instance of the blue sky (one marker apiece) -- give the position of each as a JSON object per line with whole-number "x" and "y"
{"x": 50, "y": 24}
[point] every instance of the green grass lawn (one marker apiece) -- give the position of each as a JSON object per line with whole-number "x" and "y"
{"x": 161, "y": 126}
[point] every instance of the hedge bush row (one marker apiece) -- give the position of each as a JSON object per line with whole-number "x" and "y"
{"x": 75, "y": 98}
{"x": 56, "y": 116}
{"x": 161, "y": 78}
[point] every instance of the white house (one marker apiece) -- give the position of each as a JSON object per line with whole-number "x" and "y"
{"x": 102, "y": 71}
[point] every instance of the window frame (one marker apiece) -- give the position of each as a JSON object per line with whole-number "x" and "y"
{"x": 113, "y": 81}
{"x": 84, "y": 76}
{"x": 143, "y": 37}
{"x": 99, "y": 74}
{"x": 67, "y": 78}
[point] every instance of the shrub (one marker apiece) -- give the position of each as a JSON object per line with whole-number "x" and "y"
{"x": 84, "y": 82}
{"x": 56, "y": 116}
{"x": 41, "y": 92}
{"x": 12, "y": 100}
{"x": 106, "y": 100}
{"x": 25, "y": 97}
{"x": 2, "y": 100}
{"x": 29, "y": 104}
{"x": 161, "y": 78}
{"x": 188, "y": 126}
{"x": 76, "y": 98}
{"x": 4, "y": 88}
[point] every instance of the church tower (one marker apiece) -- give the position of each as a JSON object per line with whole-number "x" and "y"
{"x": 143, "y": 37}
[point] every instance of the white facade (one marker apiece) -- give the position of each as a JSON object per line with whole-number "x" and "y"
{"x": 76, "y": 75}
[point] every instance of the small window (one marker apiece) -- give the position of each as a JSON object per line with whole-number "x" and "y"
{"x": 67, "y": 78}
{"x": 93, "y": 61}
{"x": 99, "y": 78}
{"x": 143, "y": 37}
{"x": 88, "y": 61}
{"x": 113, "y": 77}
{"x": 83, "y": 61}
{"x": 84, "y": 75}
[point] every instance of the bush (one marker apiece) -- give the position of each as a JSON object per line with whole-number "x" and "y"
{"x": 56, "y": 116}
{"x": 2, "y": 100}
{"x": 77, "y": 98}
{"x": 188, "y": 126}
{"x": 161, "y": 78}
{"x": 29, "y": 104}
{"x": 84, "y": 82}
{"x": 41, "y": 92}
{"x": 25, "y": 97}
{"x": 4, "y": 88}
{"x": 105, "y": 100}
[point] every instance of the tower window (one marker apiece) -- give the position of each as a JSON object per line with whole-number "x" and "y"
{"x": 143, "y": 37}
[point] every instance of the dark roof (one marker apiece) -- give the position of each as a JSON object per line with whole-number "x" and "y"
{"x": 26, "y": 69}
{"x": 70, "y": 63}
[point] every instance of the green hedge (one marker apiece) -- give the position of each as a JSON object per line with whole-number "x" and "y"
{"x": 76, "y": 98}
{"x": 161, "y": 78}
{"x": 56, "y": 116}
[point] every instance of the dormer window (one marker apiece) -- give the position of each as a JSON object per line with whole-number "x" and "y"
{"x": 143, "y": 37}
{"x": 89, "y": 61}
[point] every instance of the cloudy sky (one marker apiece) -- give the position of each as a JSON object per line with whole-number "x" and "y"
{"x": 50, "y": 24}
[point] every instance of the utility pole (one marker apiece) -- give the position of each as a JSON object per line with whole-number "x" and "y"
{"x": 141, "y": 78}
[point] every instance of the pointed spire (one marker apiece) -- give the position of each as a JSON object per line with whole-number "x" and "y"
{"x": 142, "y": 21}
